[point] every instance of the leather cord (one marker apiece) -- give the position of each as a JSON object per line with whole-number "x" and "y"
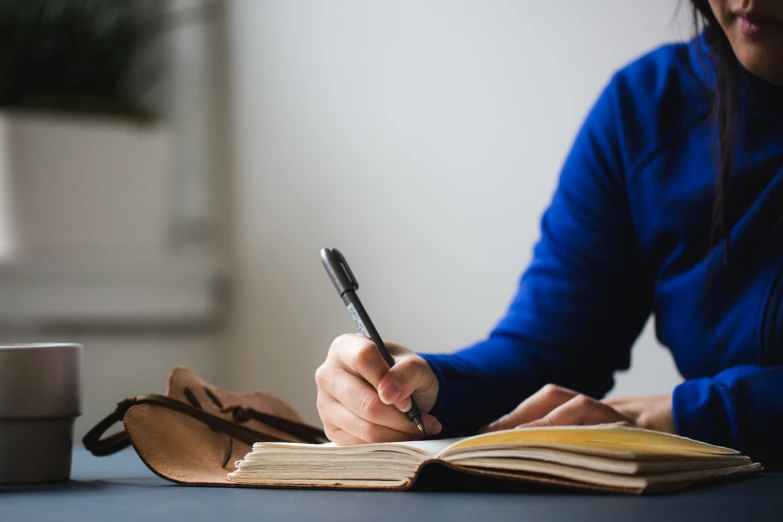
{"x": 301, "y": 431}
{"x": 113, "y": 443}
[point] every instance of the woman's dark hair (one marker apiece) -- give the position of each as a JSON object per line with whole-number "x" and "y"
{"x": 726, "y": 101}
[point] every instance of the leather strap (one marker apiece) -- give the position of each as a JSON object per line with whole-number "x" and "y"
{"x": 301, "y": 431}
{"x": 113, "y": 443}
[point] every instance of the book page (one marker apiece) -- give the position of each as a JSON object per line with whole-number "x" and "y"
{"x": 423, "y": 448}
{"x": 392, "y": 464}
{"x": 430, "y": 447}
{"x": 611, "y": 441}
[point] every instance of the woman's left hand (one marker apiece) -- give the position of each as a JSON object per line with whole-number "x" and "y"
{"x": 556, "y": 406}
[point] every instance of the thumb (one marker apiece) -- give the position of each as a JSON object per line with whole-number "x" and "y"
{"x": 410, "y": 374}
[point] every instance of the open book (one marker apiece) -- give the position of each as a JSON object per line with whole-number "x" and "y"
{"x": 611, "y": 458}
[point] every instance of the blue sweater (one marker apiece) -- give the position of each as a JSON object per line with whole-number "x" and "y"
{"x": 627, "y": 235}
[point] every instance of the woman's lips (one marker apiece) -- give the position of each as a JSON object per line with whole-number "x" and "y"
{"x": 753, "y": 26}
{"x": 748, "y": 28}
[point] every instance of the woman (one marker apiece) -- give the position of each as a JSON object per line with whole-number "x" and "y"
{"x": 670, "y": 202}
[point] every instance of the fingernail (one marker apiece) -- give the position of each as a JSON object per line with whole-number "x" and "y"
{"x": 390, "y": 392}
{"x": 432, "y": 426}
{"x": 404, "y": 406}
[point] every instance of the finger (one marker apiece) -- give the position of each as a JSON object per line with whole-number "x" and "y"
{"x": 362, "y": 429}
{"x": 333, "y": 432}
{"x": 534, "y": 407}
{"x": 631, "y": 410}
{"x": 620, "y": 401}
{"x": 367, "y": 431}
{"x": 340, "y": 437}
{"x": 580, "y": 410}
{"x": 360, "y": 356}
{"x": 362, "y": 400}
{"x": 409, "y": 375}
{"x": 631, "y": 407}
{"x": 396, "y": 349}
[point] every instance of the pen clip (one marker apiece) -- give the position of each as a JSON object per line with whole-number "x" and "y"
{"x": 347, "y": 269}
{"x": 340, "y": 273}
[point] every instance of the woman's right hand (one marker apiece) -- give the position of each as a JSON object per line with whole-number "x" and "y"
{"x": 361, "y": 400}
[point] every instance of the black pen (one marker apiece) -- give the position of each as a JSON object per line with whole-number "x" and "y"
{"x": 347, "y": 285}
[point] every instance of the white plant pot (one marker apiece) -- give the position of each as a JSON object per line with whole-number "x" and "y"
{"x": 79, "y": 185}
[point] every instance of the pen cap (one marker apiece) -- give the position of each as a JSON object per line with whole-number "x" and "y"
{"x": 339, "y": 271}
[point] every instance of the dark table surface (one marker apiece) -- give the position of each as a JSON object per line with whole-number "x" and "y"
{"x": 120, "y": 488}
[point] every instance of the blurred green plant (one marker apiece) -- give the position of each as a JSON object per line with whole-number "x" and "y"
{"x": 94, "y": 57}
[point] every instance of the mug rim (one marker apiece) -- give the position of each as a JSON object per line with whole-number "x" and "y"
{"x": 40, "y": 380}
{"x": 38, "y": 346}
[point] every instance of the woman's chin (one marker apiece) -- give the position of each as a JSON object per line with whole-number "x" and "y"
{"x": 766, "y": 63}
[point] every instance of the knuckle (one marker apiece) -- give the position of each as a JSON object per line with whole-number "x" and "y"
{"x": 321, "y": 376}
{"x": 338, "y": 343}
{"x": 368, "y": 432}
{"x": 370, "y": 407}
{"x": 551, "y": 389}
{"x": 366, "y": 354}
{"x": 582, "y": 400}
{"x": 414, "y": 372}
{"x": 405, "y": 370}
{"x": 411, "y": 365}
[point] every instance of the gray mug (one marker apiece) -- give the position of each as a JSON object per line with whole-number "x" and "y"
{"x": 40, "y": 398}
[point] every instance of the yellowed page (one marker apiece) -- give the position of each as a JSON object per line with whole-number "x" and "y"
{"x": 508, "y": 457}
{"x": 611, "y": 441}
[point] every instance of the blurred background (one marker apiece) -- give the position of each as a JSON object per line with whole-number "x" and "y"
{"x": 169, "y": 171}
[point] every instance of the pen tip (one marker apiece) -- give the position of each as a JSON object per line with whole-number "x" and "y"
{"x": 420, "y": 425}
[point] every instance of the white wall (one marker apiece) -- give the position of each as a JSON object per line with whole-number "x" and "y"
{"x": 78, "y": 271}
{"x": 422, "y": 138}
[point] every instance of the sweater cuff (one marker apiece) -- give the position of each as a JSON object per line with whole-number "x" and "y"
{"x": 452, "y": 396}
{"x": 700, "y": 413}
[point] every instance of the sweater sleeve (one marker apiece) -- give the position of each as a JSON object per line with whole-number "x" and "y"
{"x": 580, "y": 304}
{"x": 740, "y": 408}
